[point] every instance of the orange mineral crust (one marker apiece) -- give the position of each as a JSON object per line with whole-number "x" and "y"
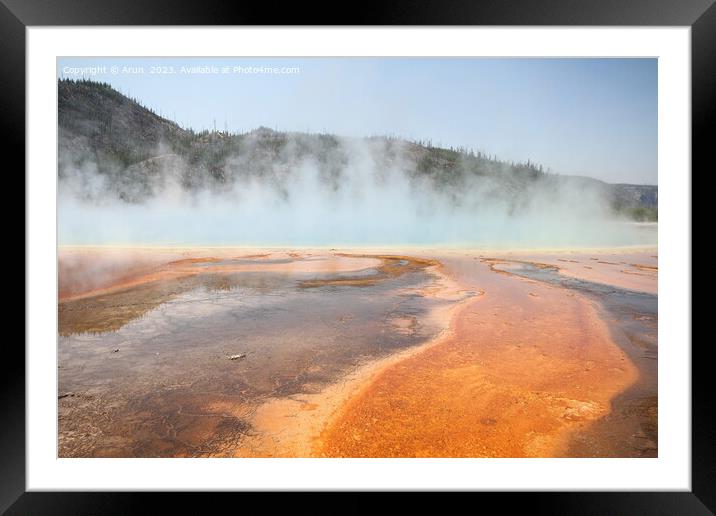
{"x": 523, "y": 371}
{"x": 241, "y": 352}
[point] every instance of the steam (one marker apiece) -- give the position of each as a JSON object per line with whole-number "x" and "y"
{"x": 361, "y": 192}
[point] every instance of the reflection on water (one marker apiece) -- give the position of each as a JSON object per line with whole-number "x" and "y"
{"x": 186, "y": 361}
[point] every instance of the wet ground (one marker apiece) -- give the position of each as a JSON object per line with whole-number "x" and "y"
{"x": 203, "y": 352}
{"x": 632, "y": 316}
{"x": 177, "y": 366}
{"x": 541, "y": 365}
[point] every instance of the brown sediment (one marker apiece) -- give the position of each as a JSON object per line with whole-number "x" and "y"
{"x": 651, "y": 268}
{"x": 635, "y": 273}
{"x": 143, "y": 266}
{"x": 190, "y": 261}
{"x": 521, "y": 372}
{"x": 492, "y": 263}
{"x": 391, "y": 267}
{"x": 134, "y": 290}
{"x": 111, "y": 310}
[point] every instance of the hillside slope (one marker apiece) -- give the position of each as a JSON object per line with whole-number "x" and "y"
{"x": 112, "y": 146}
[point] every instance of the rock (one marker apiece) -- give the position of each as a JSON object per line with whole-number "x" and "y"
{"x": 236, "y": 357}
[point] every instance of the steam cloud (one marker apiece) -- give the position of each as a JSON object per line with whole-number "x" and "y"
{"x": 367, "y": 193}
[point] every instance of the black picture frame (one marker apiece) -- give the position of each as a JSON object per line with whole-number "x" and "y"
{"x": 16, "y": 15}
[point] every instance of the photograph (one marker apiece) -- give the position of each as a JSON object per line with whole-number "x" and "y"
{"x": 357, "y": 257}
{"x": 413, "y": 247}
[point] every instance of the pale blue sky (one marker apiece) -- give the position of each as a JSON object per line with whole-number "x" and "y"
{"x": 593, "y": 117}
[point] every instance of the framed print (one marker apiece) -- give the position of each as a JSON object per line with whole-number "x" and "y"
{"x": 376, "y": 257}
